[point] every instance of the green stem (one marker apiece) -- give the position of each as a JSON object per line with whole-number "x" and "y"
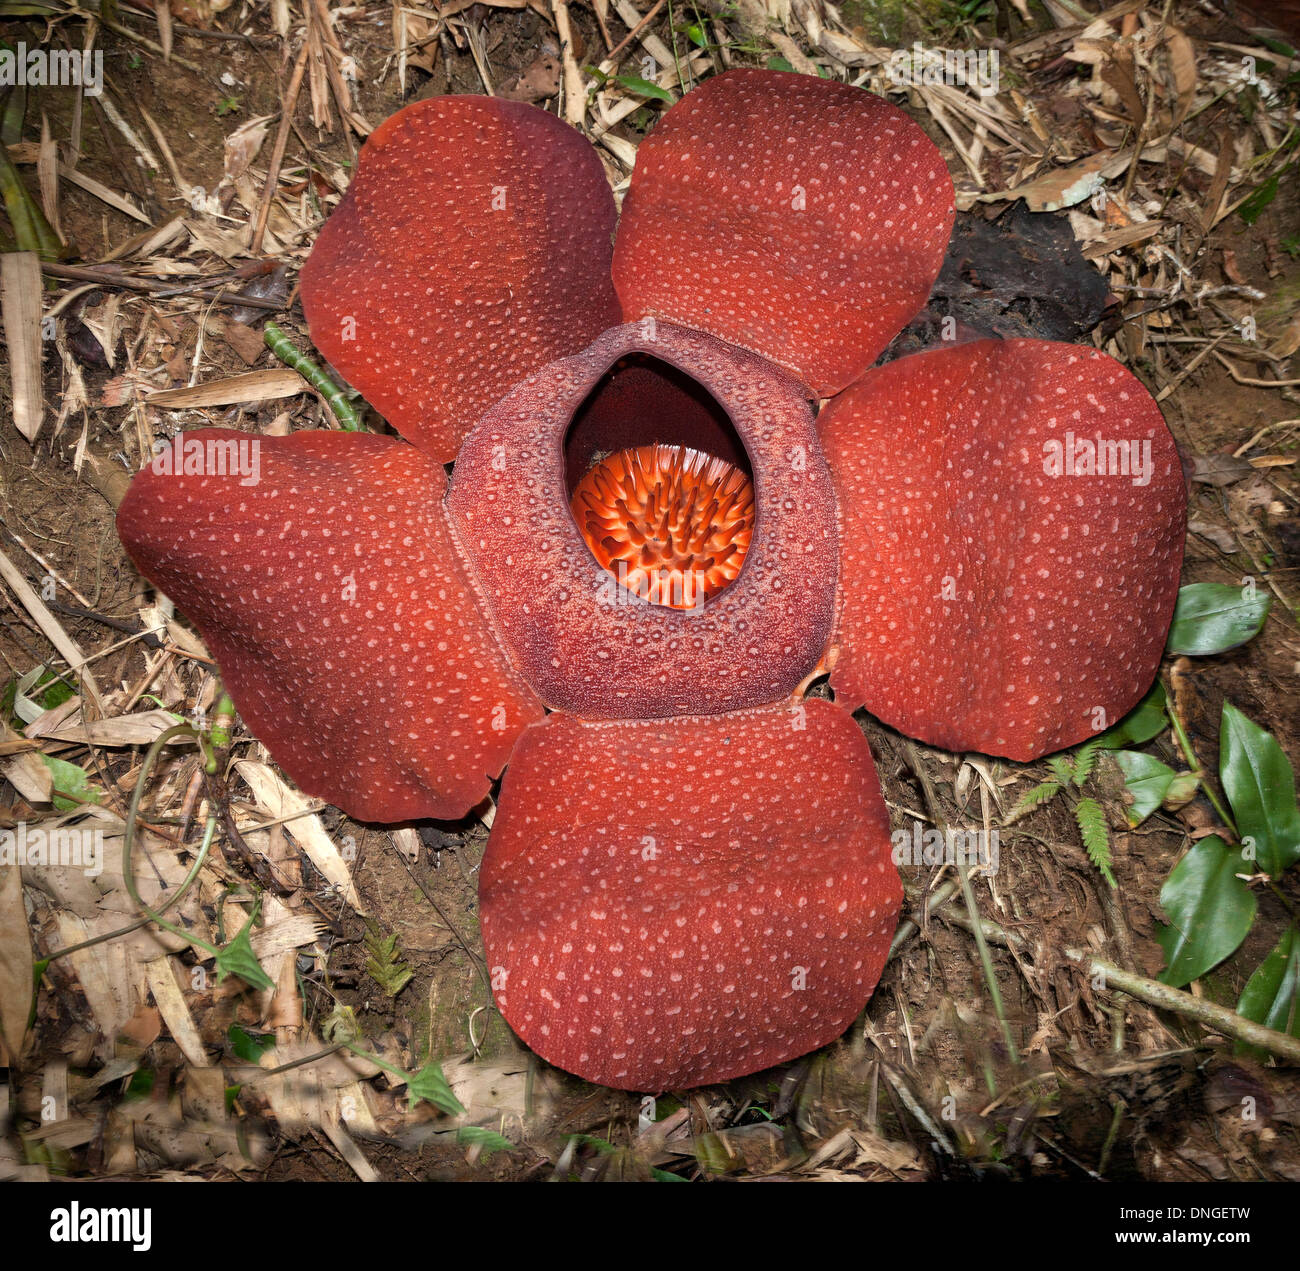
{"x": 280, "y": 344}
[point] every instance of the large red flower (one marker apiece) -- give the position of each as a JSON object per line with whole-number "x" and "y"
{"x": 649, "y": 534}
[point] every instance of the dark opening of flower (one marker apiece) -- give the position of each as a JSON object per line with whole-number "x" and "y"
{"x": 672, "y": 524}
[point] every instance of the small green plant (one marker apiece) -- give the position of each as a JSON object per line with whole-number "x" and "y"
{"x": 633, "y": 84}
{"x": 1069, "y": 773}
{"x": 1208, "y": 896}
{"x": 385, "y": 965}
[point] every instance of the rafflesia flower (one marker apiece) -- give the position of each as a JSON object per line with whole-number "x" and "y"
{"x": 649, "y": 546}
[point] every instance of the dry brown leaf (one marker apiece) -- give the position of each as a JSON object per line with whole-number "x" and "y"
{"x": 20, "y": 302}
{"x": 1182, "y": 65}
{"x": 123, "y": 730}
{"x": 281, "y": 801}
{"x": 1061, "y": 187}
{"x": 25, "y": 771}
{"x": 1289, "y": 341}
{"x": 244, "y": 340}
{"x": 103, "y": 193}
{"x": 242, "y": 145}
{"x": 171, "y": 1004}
{"x": 255, "y": 386}
{"x": 103, "y": 971}
{"x": 1217, "y": 534}
{"x": 50, "y": 626}
{"x": 15, "y": 964}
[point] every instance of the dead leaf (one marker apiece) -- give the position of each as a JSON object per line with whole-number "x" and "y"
{"x": 143, "y": 1028}
{"x": 242, "y": 145}
{"x": 20, "y": 301}
{"x": 281, "y": 801}
{"x": 15, "y": 965}
{"x": 537, "y": 82}
{"x": 171, "y": 1004}
{"x": 255, "y": 386}
{"x": 124, "y": 730}
{"x": 1220, "y": 470}
{"x": 1230, "y": 270}
{"x": 1182, "y": 65}
{"x": 1118, "y": 72}
{"x": 1289, "y": 341}
{"x": 1219, "y": 535}
{"x": 244, "y": 340}
{"x": 1061, "y": 187}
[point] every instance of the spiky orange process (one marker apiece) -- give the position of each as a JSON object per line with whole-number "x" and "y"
{"x": 672, "y": 524}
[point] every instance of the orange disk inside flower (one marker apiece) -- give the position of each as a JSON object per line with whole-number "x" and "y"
{"x": 670, "y": 523}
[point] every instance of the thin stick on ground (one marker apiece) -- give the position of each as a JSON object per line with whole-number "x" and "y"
{"x": 288, "y": 106}
{"x": 1219, "y": 1018}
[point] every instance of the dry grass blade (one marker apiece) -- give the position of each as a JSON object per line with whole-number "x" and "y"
{"x": 15, "y": 965}
{"x": 255, "y": 386}
{"x": 47, "y": 172}
{"x": 575, "y": 88}
{"x": 102, "y": 192}
{"x": 20, "y": 302}
{"x": 283, "y": 802}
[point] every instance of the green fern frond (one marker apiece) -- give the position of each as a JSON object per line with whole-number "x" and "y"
{"x": 1040, "y": 794}
{"x": 1085, "y": 760}
{"x": 1062, "y": 768}
{"x": 385, "y": 965}
{"x": 1096, "y": 837}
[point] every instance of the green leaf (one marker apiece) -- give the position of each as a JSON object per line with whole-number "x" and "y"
{"x": 1272, "y": 995}
{"x": 1276, "y": 46}
{"x": 1085, "y": 760}
{"x": 643, "y": 88}
{"x": 1260, "y": 784}
{"x": 1253, "y": 208}
{"x": 29, "y": 696}
{"x": 603, "y": 1146}
{"x": 430, "y": 1085}
{"x": 481, "y": 1137}
{"x": 1212, "y": 618}
{"x": 1146, "y": 779}
{"x": 695, "y": 33}
{"x": 1042, "y": 793}
{"x": 1096, "y": 838}
{"x": 71, "y": 780}
{"x": 779, "y": 63}
{"x": 238, "y": 958}
{"x": 1145, "y": 721}
{"x": 663, "y": 1176}
{"x": 32, "y": 232}
{"x": 247, "y": 1047}
{"x": 1210, "y": 910}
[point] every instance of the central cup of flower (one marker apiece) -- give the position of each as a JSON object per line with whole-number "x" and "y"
{"x": 672, "y": 524}
{"x": 682, "y": 467}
